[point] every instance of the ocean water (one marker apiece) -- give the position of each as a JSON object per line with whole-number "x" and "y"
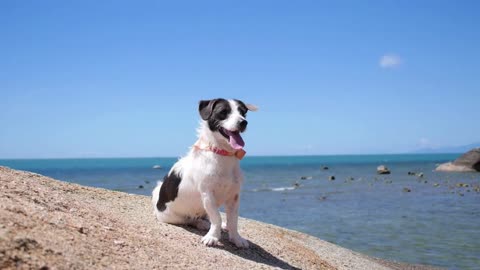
{"x": 436, "y": 223}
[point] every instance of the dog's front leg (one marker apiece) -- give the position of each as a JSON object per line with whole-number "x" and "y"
{"x": 212, "y": 238}
{"x": 231, "y": 208}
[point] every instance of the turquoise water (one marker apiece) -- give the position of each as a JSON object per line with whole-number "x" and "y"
{"x": 436, "y": 223}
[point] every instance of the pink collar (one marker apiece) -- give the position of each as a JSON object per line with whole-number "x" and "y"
{"x": 202, "y": 145}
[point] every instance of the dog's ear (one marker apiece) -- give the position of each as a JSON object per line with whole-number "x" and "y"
{"x": 252, "y": 107}
{"x": 205, "y": 108}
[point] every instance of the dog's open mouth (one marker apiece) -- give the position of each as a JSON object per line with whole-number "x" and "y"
{"x": 233, "y": 137}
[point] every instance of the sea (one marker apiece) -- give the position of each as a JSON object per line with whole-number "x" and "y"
{"x": 413, "y": 215}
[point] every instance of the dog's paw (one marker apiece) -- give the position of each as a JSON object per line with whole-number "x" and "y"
{"x": 239, "y": 241}
{"x": 210, "y": 241}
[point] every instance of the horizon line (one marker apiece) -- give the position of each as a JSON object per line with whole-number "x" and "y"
{"x": 293, "y": 155}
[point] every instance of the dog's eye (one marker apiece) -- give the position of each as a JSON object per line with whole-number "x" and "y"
{"x": 223, "y": 114}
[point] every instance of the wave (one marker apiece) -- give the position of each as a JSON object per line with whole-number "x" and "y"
{"x": 274, "y": 189}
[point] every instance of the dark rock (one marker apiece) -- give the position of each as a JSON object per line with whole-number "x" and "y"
{"x": 331, "y": 178}
{"x": 471, "y": 159}
{"x": 147, "y": 182}
{"x": 468, "y": 162}
{"x": 140, "y": 186}
{"x": 382, "y": 169}
{"x": 306, "y": 177}
{"x": 324, "y": 167}
{"x": 411, "y": 173}
{"x": 419, "y": 175}
{"x": 406, "y": 190}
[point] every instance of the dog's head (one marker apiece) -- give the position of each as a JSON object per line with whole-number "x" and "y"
{"x": 226, "y": 119}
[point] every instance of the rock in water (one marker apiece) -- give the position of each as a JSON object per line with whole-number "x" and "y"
{"x": 382, "y": 169}
{"x": 470, "y": 159}
{"x": 468, "y": 162}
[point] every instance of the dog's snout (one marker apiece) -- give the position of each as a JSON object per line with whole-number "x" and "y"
{"x": 243, "y": 124}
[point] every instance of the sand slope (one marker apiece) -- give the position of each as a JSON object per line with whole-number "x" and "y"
{"x": 49, "y": 224}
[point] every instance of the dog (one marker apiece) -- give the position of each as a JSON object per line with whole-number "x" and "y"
{"x": 209, "y": 176}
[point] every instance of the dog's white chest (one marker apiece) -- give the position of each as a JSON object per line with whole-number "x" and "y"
{"x": 223, "y": 180}
{"x": 224, "y": 188}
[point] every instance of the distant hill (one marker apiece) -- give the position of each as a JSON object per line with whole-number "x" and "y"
{"x": 448, "y": 149}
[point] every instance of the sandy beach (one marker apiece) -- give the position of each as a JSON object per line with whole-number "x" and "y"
{"x": 49, "y": 224}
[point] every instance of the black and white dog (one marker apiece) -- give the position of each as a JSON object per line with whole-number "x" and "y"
{"x": 209, "y": 176}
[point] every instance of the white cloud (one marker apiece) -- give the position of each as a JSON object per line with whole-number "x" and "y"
{"x": 424, "y": 143}
{"x": 390, "y": 61}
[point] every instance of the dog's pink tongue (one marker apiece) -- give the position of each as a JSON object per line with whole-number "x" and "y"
{"x": 236, "y": 141}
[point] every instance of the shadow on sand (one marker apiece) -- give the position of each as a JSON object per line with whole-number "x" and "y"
{"x": 254, "y": 253}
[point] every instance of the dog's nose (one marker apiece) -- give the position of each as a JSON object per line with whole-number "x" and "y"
{"x": 243, "y": 124}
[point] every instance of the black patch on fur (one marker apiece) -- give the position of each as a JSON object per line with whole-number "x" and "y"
{"x": 214, "y": 111}
{"x": 168, "y": 190}
{"x": 242, "y": 108}
{"x": 205, "y": 108}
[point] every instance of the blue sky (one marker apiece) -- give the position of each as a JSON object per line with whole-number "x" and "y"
{"x": 123, "y": 78}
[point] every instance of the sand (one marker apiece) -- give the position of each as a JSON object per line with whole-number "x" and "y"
{"x": 50, "y": 224}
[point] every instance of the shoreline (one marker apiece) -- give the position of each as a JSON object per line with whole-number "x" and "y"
{"x": 58, "y": 225}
